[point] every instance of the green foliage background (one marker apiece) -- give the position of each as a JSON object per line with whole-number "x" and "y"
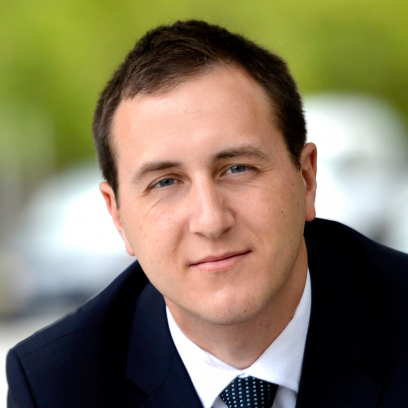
{"x": 55, "y": 57}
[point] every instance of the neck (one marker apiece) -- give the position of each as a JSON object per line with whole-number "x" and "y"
{"x": 241, "y": 344}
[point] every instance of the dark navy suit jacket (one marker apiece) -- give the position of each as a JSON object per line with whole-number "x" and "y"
{"x": 116, "y": 350}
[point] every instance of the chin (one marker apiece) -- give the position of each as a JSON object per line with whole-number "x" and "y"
{"x": 233, "y": 312}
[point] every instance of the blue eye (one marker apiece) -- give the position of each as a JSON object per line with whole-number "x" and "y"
{"x": 165, "y": 182}
{"x": 238, "y": 168}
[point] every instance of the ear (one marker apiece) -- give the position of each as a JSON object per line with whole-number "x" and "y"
{"x": 308, "y": 162}
{"x": 114, "y": 211}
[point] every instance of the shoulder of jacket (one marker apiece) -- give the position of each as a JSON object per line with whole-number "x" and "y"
{"x": 118, "y": 298}
{"x": 386, "y": 263}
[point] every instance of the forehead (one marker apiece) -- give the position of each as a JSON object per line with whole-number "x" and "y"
{"x": 218, "y": 106}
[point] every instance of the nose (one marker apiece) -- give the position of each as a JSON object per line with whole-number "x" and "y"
{"x": 210, "y": 216}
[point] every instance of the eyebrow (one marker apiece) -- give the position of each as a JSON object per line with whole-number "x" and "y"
{"x": 247, "y": 151}
{"x": 154, "y": 166}
{"x": 150, "y": 167}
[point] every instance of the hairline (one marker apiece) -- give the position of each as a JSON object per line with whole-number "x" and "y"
{"x": 169, "y": 87}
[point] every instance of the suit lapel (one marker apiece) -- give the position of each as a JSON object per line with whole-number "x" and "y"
{"x": 339, "y": 333}
{"x": 154, "y": 364}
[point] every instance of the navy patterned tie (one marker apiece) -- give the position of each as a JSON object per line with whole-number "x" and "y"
{"x": 249, "y": 392}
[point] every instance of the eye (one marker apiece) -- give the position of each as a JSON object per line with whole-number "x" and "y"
{"x": 167, "y": 182}
{"x": 237, "y": 168}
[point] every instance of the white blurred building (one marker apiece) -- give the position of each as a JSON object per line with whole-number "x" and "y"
{"x": 362, "y": 149}
{"x": 64, "y": 245}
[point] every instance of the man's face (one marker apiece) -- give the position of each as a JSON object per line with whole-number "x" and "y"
{"x": 210, "y": 202}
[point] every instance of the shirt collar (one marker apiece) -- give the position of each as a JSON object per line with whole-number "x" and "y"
{"x": 280, "y": 363}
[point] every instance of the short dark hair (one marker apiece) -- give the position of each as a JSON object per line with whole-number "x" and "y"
{"x": 171, "y": 54}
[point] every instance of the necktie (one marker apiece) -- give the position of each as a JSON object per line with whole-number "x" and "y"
{"x": 249, "y": 392}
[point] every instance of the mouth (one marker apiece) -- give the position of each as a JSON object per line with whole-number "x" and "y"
{"x": 225, "y": 261}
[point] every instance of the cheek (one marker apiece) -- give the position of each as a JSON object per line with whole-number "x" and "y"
{"x": 279, "y": 204}
{"x": 275, "y": 215}
{"x": 155, "y": 233}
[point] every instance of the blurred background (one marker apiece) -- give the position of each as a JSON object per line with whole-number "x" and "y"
{"x": 57, "y": 244}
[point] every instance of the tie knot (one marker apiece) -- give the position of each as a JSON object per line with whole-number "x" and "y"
{"x": 249, "y": 392}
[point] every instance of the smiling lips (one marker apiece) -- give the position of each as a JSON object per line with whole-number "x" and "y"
{"x": 215, "y": 263}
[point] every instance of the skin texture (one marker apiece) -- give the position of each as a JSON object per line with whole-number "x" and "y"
{"x": 214, "y": 209}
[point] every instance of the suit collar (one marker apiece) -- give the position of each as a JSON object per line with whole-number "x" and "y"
{"x": 339, "y": 334}
{"x": 154, "y": 364}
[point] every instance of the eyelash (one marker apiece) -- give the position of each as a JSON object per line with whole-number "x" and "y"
{"x": 245, "y": 166}
{"x": 156, "y": 184}
{"x": 238, "y": 165}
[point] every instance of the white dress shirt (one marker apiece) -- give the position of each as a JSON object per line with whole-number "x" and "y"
{"x": 280, "y": 363}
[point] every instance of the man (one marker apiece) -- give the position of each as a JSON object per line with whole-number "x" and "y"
{"x": 201, "y": 139}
